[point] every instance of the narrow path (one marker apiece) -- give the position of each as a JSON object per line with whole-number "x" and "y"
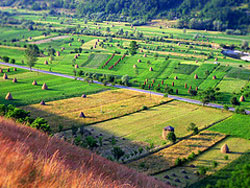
{"x": 192, "y": 101}
{"x": 49, "y": 40}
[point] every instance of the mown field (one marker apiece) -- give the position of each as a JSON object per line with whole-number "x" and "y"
{"x": 96, "y": 107}
{"x": 24, "y": 93}
{"x": 146, "y": 126}
{"x": 165, "y": 159}
{"x": 187, "y": 173}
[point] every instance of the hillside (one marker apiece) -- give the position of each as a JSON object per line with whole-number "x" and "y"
{"x": 198, "y": 14}
{"x": 39, "y": 161}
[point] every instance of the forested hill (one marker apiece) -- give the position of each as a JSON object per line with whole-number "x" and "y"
{"x": 197, "y": 14}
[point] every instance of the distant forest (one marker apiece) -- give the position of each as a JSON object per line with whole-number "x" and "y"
{"x": 195, "y": 14}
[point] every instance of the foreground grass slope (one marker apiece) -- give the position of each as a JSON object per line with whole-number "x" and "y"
{"x": 38, "y": 161}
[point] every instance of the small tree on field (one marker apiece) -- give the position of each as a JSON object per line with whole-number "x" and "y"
{"x": 117, "y": 152}
{"x": 171, "y": 137}
{"x": 193, "y": 127}
{"x": 234, "y": 101}
{"x": 31, "y": 57}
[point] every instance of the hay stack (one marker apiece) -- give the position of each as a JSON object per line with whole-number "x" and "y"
{"x": 9, "y": 97}
{"x": 177, "y": 91}
{"x": 242, "y": 99}
{"x": 139, "y": 60}
{"x": 224, "y": 149}
{"x": 186, "y": 85}
{"x": 134, "y": 66}
{"x": 14, "y": 69}
{"x": 45, "y": 87}
{"x": 196, "y": 89}
{"x": 75, "y": 56}
{"x": 8, "y": 70}
{"x": 76, "y": 66}
{"x": 62, "y": 48}
{"x": 82, "y": 115}
{"x": 1, "y": 70}
{"x": 195, "y": 76}
{"x": 141, "y": 51}
{"x": 176, "y": 77}
{"x": 214, "y": 78}
{"x": 190, "y": 87}
{"x": 84, "y": 96}
{"x": 145, "y": 55}
{"x": 34, "y": 83}
{"x": 151, "y": 69}
{"x": 14, "y": 80}
{"x": 173, "y": 84}
{"x": 42, "y": 103}
{"x": 5, "y": 76}
{"x": 70, "y": 44}
{"x": 46, "y": 62}
{"x": 58, "y": 53}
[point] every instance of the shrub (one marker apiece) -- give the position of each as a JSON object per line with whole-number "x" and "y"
{"x": 3, "y": 109}
{"x": 117, "y": 152}
{"x": 214, "y": 164}
{"x": 41, "y": 123}
{"x": 178, "y": 162}
{"x": 202, "y": 170}
{"x": 16, "y": 113}
{"x": 13, "y": 61}
{"x": 191, "y": 156}
{"x": 91, "y": 142}
{"x": 171, "y": 137}
{"x": 5, "y": 59}
{"x": 144, "y": 108}
{"x": 226, "y": 157}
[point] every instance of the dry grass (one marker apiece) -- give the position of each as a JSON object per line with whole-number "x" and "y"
{"x": 165, "y": 158}
{"x": 97, "y": 107}
{"x": 32, "y": 159}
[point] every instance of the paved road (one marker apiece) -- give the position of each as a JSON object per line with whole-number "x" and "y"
{"x": 192, "y": 101}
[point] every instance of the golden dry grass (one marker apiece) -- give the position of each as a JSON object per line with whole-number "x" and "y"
{"x": 30, "y": 159}
{"x": 96, "y": 107}
{"x": 166, "y": 158}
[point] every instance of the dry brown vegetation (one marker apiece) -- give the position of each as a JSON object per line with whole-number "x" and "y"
{"x": 30, "y": 158}
{"x": 166, "y": 158}
{"x": 96, "y": 107}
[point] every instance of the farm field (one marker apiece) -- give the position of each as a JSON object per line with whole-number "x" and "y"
{"x": 165, "y": 159}
{"x": 146, "y": 126}
{"x": 237, "y": 125}
{"x": 24, "y": 93}
{"x": 187, "y": 173}
{"x": 153, "y": 56}
{"x": 97, "y": 107}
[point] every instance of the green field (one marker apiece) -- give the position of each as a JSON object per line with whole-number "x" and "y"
{"x": 25, "y": 93}
{"x": 147, "y": 126}
{"x": 237, "y": 125}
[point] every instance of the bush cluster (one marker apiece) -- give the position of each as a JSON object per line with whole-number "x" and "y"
{"x": 22, "y": 116}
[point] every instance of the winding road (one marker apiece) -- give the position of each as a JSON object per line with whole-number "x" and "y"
{"x": 192, "y": 101}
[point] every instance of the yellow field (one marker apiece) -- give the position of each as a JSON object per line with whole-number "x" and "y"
{"x": 165, "y": 158}
{"x": 237, "y": 146}
{"x": 96, "y": 107}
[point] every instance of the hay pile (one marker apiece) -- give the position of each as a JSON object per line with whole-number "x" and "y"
{"x": 224, "y": 149}
{"x": 9, "y": 97}
{"x": 34, "y": 83}
{"x": 44, "y": 87}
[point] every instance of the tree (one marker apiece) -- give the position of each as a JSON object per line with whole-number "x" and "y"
{"x": 193, "y": 127}
{"x": 117, "y": 152}
{"x": 234, "y": 101}
{"x": 31, "y": 57}
{"x": 208, "y": 95}
{"x": 171, "y": 137}
{"x": 133, "y": 47}
{"x": 125, "y": 80}
{"x": 244, "y": 44}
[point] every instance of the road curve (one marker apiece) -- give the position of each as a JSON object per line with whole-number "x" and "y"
{"x": 192, "y": 101}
